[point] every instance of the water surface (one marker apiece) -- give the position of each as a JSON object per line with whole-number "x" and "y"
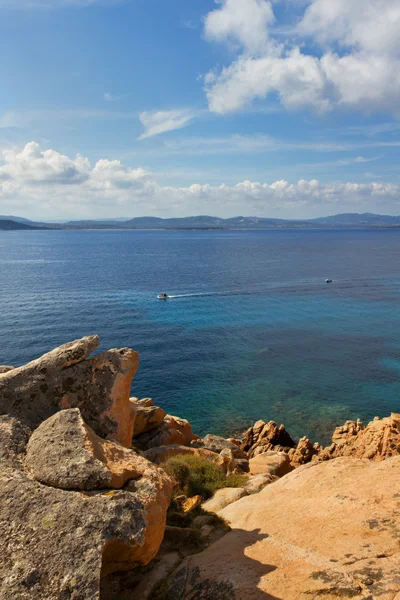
{"x": 252, "y": 332}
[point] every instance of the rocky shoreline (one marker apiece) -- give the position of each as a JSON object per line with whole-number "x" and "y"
{"x": 86, "y": 496}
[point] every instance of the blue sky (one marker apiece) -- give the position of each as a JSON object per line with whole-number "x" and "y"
{"x": 167, "y": 107}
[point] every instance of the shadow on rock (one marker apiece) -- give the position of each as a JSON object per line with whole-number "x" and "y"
{"x": 223, "y": 572}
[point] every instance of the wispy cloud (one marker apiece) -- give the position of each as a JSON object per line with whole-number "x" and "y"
{"x": 111, "y": 97}
{"x": 248, "y": 144}
{"x": 162, "y": 121}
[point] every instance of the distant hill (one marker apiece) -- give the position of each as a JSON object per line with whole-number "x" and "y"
{"x": 358, "y": 219}
{"x": 16, "y": 219}
{"x": 10, "y": 225}
{"x": 345, "y": 220}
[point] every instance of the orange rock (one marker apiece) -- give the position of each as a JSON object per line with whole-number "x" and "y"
{"x": 326, "y": 530}
{"x": 380, "y": 439}
{"x": 65, "y": 453}
{"x": 191, "y": 503}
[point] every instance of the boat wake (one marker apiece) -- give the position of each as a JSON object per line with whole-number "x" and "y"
{"x": 200, "y": 294}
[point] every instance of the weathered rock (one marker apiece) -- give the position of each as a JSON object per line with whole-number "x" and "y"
{"x": 13, "y": 439}
{"x": 147, "y": 418}
{"x": 256, "y": 483}
{"x": 230, "y": 464}
{"x": 142, "y": 583}
{"x": 215, "y": 443}
{"x": 5, "y": 369}
{"x": 271, "y": 463}
{"x": 242, "y": 465}
{"x": 266, "y": 436}
{"x": 191, "y": 503}
{"x": 303, "y": 453}
{"x": 327, "y": 530}
{"x": 222, "y": 498}
{"x": 56, "y": 543}
{"x": 201, "y": 520}
{"x": 65, "y": 453}
{"x": 173, "y": 430}
{"x": 143, "y": 401}
{"x": 380, "y": 439}
{"x": 235, "y": 441}
{"x": 65, "y": 378}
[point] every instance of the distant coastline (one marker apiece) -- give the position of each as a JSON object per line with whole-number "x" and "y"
{"x": 208, "y": 223}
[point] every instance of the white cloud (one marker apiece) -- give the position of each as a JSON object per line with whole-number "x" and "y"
{"x": 32, "y": 165}
{"x": 370, "y": 25}
{"x": 47, "y": 184}
{"x": 245, "y": 23}
{"x": 357, "y": 66}
{"x": 162, "y": 121}
{"x": 297, "y": 78}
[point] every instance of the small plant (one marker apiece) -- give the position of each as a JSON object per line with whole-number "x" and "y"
{"x": 194, "y": 475}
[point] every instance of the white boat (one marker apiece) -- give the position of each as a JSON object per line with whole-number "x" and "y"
{"x": 162, "y": 296}
{"x": 328, "y": 280}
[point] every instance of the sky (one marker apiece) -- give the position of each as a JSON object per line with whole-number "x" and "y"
{"x": 124, "y": 108}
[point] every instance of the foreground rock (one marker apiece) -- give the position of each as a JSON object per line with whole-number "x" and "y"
{"x": 66, "y": 378}
{"x": 326, "y": 530}
{"x": 57, "y": 543}
{"x": 65, "y": 453}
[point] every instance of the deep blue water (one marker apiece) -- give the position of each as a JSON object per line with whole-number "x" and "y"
{"x": 254, "y": 331}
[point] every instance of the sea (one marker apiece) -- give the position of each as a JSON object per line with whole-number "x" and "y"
{"x": 250, "y": 331}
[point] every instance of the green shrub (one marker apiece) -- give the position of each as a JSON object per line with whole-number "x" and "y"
{"x": 194, "y": 475}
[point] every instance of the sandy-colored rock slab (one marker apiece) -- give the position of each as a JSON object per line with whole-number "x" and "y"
{"x": 325, "y": 531}
{"x": 65, "y": 453}
{"x": 256, "y": 483}
{"x": 5, "y": 369}
{"x": 67, "y": 378}
{"x": 222, "y": 498}
{"x": 275, "y": 464}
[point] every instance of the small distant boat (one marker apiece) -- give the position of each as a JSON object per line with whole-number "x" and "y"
{"x": 328, "y": 280}
{"x": 162, "y": 296}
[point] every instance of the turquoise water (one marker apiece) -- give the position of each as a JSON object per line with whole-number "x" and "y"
{"x": 253, "y": 332}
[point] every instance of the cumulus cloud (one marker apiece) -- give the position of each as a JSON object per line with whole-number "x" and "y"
{"x": 48, "y": 183}
{"x": 297, "y": 79}
{"x": 32, "y": 165}
{"x": 357, "y": 65}
{"x": 244, "y": 23}
{"x": 161, "y": 121}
